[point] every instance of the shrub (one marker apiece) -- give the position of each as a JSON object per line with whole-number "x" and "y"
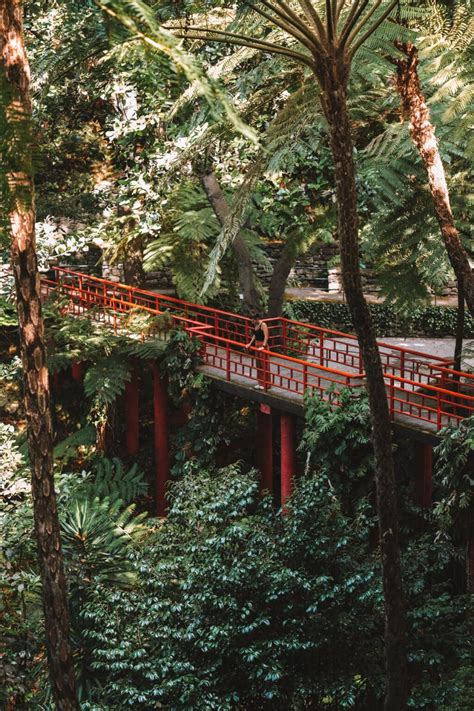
{"x": 430, "y": 321}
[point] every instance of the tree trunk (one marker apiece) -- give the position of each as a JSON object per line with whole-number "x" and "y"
{"x": 415, "y": 110}
{"x": 460, "y": 319}
{"x": 16, "y": 161}
{"x": 216, "y": 197}
{"x": 281, "y": 270}
{"x": 334, "y": 101}
{"x": 133, "y": 272}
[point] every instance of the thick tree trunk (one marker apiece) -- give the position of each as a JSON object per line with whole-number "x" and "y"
{"x": 334, "y": 100}
{"x": 133, "y": 272}
{"x": 415, "y": 110}
{"x": 281, "y": 270}
{"x": 459, "y": 330}
{"x": 216, "y": 197}
{"x": 16, "y": 146}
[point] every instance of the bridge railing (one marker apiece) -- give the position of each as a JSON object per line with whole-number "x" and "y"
{"x": 300, "y": 356}
{"x": 291, "y": 376}
{"x": 337, "y": 349}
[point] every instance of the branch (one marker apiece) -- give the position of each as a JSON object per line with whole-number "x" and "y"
{"x": 285, "y": 12}
{"x": 205, "y": 35}
{"x": 286, "y": 9}
{"x": 314, "y": 19}
{"x": 330, "y": 20}
{"x": 339, "y": 5}
{"x": 374, "y": 27}
{"x": 285, "y": 25}
{"x": 352, "y": 18}
{"x": 358, "y": 27}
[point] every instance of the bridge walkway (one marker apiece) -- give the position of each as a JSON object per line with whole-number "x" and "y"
{"x": 424, "y": 392}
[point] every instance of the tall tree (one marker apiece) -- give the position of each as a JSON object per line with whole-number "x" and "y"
{"x": 328, "y": 47}
{"x": 327, "y": 43}
{"x": 18, "y": 191}
{"x": 218, "y": 202}
{"x": 416, "y": 112}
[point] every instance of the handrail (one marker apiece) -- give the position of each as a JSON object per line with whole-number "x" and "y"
{"x": 153, "y": 294}
{"x": 354, "y": 338}
{"x": 417, "y": 397}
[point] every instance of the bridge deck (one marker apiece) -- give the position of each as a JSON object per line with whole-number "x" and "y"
{"x": 423, "y": 390}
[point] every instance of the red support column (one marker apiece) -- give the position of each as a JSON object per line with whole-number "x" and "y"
{"x": 132, "y": 415}
{"x": 265, "y": 446}
{"x": 77, "y": 370}
{"x": 162, "y": 458}
{"x": 287, "y": 429}
{"x": 424, "y": 473}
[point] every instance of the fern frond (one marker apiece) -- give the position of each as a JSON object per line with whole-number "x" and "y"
{"x": 113, "y": 482}
{"x": 105, "y": 380}
{"x": 140, "y": 21}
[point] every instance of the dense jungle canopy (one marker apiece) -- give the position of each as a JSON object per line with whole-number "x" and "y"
{"x": 237, "y": 155}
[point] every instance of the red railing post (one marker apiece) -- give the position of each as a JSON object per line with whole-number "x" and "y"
{"x": 402, "y": 369}
{"x": 162, "y": 459}
{"x": 392, "y": 398}
{"x": 284, "y": 335}
{"x": 424, "y": 472}
{"x": 438, "y": 411}
{"x": 287, "y": 432}
{"x": 266, "y": 371}
{"x": 80, "y": 290}
{"x": 321, "y": 349}
{"x": 227, "y": 366}
{"x": 305, "y": 378}
{"x": 77, "y": 370}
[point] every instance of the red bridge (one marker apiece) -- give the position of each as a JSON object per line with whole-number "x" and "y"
{"x": 424, "y": 392}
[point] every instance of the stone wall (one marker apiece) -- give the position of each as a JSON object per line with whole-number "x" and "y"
{"x": 315, "y": 269}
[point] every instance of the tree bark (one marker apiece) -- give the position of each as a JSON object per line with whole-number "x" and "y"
{"x": 334, "y": 100}
{"x": 460, "y": 320}
{"x": 281, "y": 270}
{"x": 16, "y": 161}
{"x": 133, "y": 272}
{"x": 216, "y": 197}
{"x": 422, "y": 132}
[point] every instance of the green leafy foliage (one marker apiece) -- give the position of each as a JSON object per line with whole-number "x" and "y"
{"x": 455, "y": 468}
{"x": 105, "y": 380}
{"x": 67, "y": 448}
{"x": 179, "y": 363}
{"x": 432, "y": 321}
{"x": 8, "y": 317}
{"x": 113, "y": 482}
{"x": 230, "y": 610}
{"x": 336, "y": 443}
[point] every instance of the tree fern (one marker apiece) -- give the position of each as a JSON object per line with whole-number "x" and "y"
{"x": 105, "y": 380}
{"x": 141, "y": 22}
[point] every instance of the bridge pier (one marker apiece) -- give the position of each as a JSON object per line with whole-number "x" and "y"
{"x": 162, "y": 457}
{"x": 424, "y": 474}
{"x": 287, "y": 431}
{"x": 77, "y": 370}
{"x": 132, "y": 415}
{"x": 265, "y": 446}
